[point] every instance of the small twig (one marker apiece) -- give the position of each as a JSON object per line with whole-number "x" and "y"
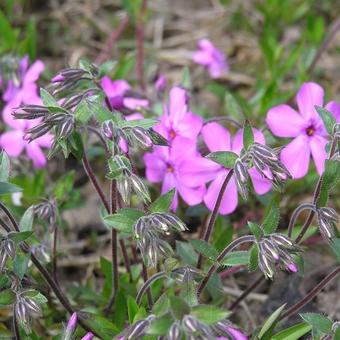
{"x": 214, "y": 214}
{"x": 114, "y": 36}
{"x": 140, "y": 45}
{"x": 296, "y": 214}
{"x": 295, "y": 308}
{"x": 216, "y": 264}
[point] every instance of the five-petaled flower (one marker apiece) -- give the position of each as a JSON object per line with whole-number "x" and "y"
{"x": 211, "y": 57}
{"x": 26, "y": 92}
{"x": 305, "y": 126}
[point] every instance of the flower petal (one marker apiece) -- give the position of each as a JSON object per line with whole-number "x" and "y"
{"x": 309, "y": 95}
{"x": 34, "y": 72}
{"x": 237, "y": 143}
{"x": 12, "y": 142}
{"x": 177, "y": 104}
{"x": 334, "y": 107}
{"x": 261, "y": 184}
{"x": 319, "y": 154}
{"x": 190, "y": 126}
{"x": 182, "y": 149}
{"x": 202, "y": 58}
{"x": 36, "y": 155}
{"x": 155, "y": 167}
{"x": 191, "y": 196}
{"x": 229, "y": 200}
{"x": 283, "y": 121}
{"x": 216, "y": 137}
{"x": 295, "y": 156}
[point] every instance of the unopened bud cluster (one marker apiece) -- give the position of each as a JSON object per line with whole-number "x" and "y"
{"x": 147, "y": 231}
{"x": 275, "y": 250}
{"x": 137, "y": 330}
{"x": 327, "y": 220}
{"x": 7, "y": 251}
{"x": 47, "y": 211}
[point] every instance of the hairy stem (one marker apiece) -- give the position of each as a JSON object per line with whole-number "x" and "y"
{"x": 125, "y": 257}
{"x": 54, "y": 254}
{"x": 95, "y": 183}
{"x": 296, "y": 214}
{"x": 145, "y": 278}
{"x": 214, "y": 214}
{"x": 225, "y": 251}
{"x": 295, "y": 308}
{"x": 147, "y": 284}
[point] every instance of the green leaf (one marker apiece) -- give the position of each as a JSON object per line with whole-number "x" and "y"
{"x": 20, "y": 265}
{"x": 107, "y": 67}
{"x": 178, "y": 307}
{"x": 320, "y": 324}
{"x": 225, "y": 158}
{"x": 77, "y": 146}
{"x": 187, "y": 253}
{"x": 330, "y": 178}
{"x": 236, "y": 258}
{"x": 7, "y": 36}
{"x": 205, "y": 249}
{"x": 253, "y": 257}
{"x": 248, "y": 135}
{"x": 36, "y": 296}
{"x": 231, "y": 106}
{"x": 161, "y": 305}
{"x": 132, "y": 308}
{"x": 327, "y": 118}
{"x": 209, "y": 314}
{"x": 8, "y": 188}
{"x": 102, "y": 326}
{"x": 4, "y": 167}
{"x": 146, "y": 123}
{"x": 83, "y": 112}
{"x": 123, "y": 220}
{"x": 335, "y": 245}
{"x": 26, "y": 221}
{"x": 47, "y": 98}
{"x": 271, "y": 217}
{"x": 162, "y": 203}
{"x": 95, "y": 104}
{"x": 161, "y": 325}
{"x": 18, "y": 237}
{"x": 270, "y": 323}
{"x": 293, "y": 333}
{"x": 7, "y": 297}
{"x": 255, "y": 230}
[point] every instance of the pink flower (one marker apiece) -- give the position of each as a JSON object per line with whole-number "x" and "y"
{"x": 135, "y": 103}
{"x": 88, "y": 336}
{"x": 217, "y": 138}
{"x": 160, "y": 83}
{"x": 170, "y": 164}
{"x": 176, "y": 119}
{"x": 305, "y": 126}
{"x": 26, "y": 92}
{"x": 115, "y": 90}
{"x": 210, "y": 57}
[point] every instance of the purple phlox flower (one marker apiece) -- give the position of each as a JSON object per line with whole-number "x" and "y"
{"x": 176, "y": 119}
{"x": 135, "y": 104}
{"x": 166, "y": 164}
{"x": 115, "y": 91}
{"x": 160, "y": 83}
{"x": 211, "y": 57}
{"x": 87, "y": 336}
{"x": 305, "y": 126}
{"x": 217, "y": 138}
{"x": 234, "y": 333}
{"x": 72, "y": 323}
{"x": 26, "y": 92}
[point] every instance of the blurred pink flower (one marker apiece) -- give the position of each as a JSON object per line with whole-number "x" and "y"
{"x": 305, "y": 126}
{"x": 26, "y": 92}
{"x": 132, "y": 103}
{"x": 115, "y": 90}
{"x": 170, "y": 164}
{"x": 217, "y": 138}
{"x": 176, "y": 119}
{"x": 211, "y": 57}
{"x": 160, "y": 83}
{"x": 234, "y": 333}
{"x": 88, "y": 336}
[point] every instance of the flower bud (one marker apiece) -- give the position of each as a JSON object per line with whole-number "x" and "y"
{"x": 88, "y": 336}
{"x": 174, "y": 332}
{"x": 9, "y": 247}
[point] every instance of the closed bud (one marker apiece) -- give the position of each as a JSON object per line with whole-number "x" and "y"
{"x": 263, "y": 152}
{"x": 124, "y": 188}
{"x": 88, "y": 336}
{"x": 140, "y": 136}
{"x": 22, "y": 312}
{"x": 329, "y": 213}
{"x": 28, "y": 115}
{"x": 3, "y": 258}
{"x": 65, "y": 127}
{"x": 281, "y": 240}
{"x": 174, "y": 332}
{"x": 137, "y": 330}
{"x": 32, "y": 305}
{"x": 56, "y": 118}
{"x": 190, "y": 324}
{"x": 269, "y": 249}
{"x": 9, "y": 247}
{"x": 158, "y": 223}
{"x": 172, "y": 220}
{"x": 140, "y": 188}
{"x": 37, "y": 131}
{"x": 326, "y": 220}
{"x": 108, "y": 129}
{"x": 71, "y": 326}
{"x": 72, "y": 101}
{"x": 265, "y": 266}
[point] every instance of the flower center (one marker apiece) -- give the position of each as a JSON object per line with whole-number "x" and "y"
{"x": 310, "y": 131}
{"x": 172, "y": 134}
{"x": 170, "y": 168}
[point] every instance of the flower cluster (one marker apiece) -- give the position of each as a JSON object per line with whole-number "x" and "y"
{"x": 276, "y": 249}
{"x": 147, "y": 231}
{"x": 327, "y": 219}
{"x": 24, "y": 91}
